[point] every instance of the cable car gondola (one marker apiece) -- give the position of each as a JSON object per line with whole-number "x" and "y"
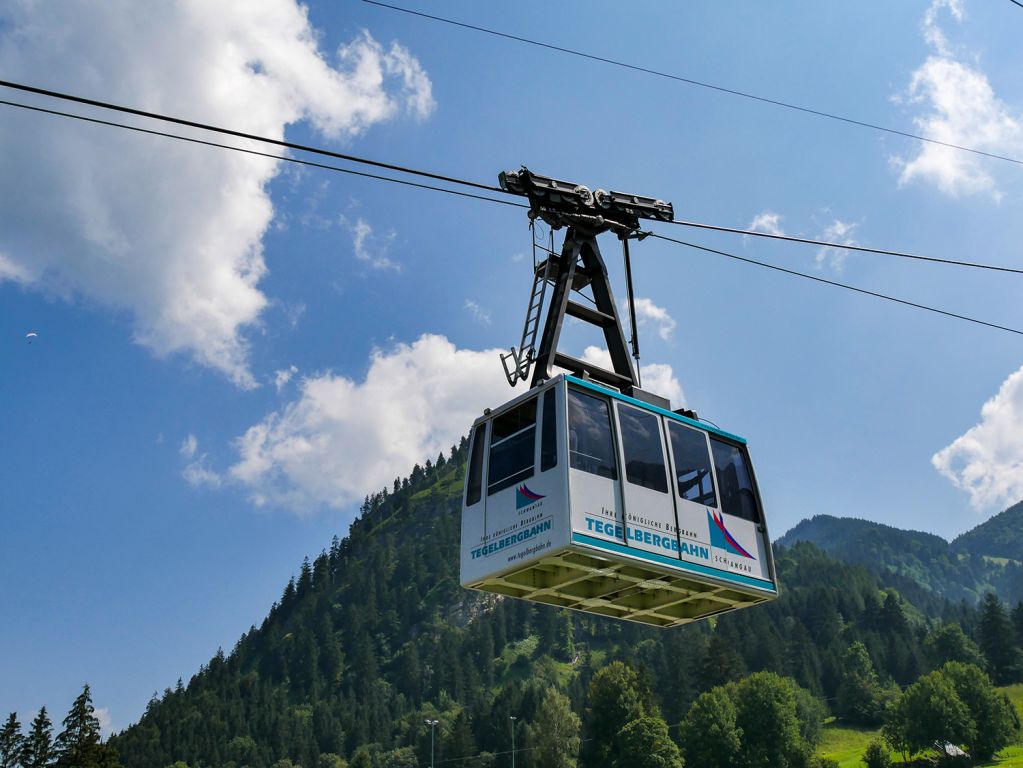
{"x": 589, "y": 493}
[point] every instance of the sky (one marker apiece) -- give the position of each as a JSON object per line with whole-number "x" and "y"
{"x": 233, "y": 351}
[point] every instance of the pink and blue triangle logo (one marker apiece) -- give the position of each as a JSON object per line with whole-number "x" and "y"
{"x": 722, "y": 539}
{"x": 524, "y": 497}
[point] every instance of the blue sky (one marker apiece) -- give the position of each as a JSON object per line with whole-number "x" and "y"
{"x": 232, "y": 353}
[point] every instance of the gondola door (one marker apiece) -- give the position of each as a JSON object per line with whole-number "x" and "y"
{"x": 594, "y": 482}
{"x": 649, "y": 504}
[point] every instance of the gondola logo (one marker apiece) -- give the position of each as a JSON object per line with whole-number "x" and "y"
{"x": 722, "y": 539}
{"x": 524, "y": 497}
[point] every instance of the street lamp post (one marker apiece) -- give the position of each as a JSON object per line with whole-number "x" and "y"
{"x": 433, "y": 725}
{"x": 513, "y": 719}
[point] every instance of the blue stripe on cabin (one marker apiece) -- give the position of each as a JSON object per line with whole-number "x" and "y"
{"x": 646, "y": 406}
{"x": 672, "y": 562}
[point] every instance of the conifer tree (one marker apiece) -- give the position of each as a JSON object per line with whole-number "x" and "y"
{"x": 997, "y": 640}
{"x": 11, "y": 742}
{"x": 80, "y": 745}
{"x": 80, "y": 736}
{"x": 38, "y": 751}
{"x": 722, "y": 663}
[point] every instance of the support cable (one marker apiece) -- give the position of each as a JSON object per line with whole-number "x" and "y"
{"x": 404, "y": 169}
{"x": 453, "y": 180}
{"x": 837, "y": 284}
{"x": 698, "y": 83}
{"x": 847, "y": 247}
{"x": 269, "y": 155}
{"x": 243, "y": 135}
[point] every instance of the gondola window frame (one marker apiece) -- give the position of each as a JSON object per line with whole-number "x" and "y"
{"x": 682, "y": 429}
{"x": 608, "y": 438}
{"x": 549, "y": 431}
{"x": 519, "y": 443}
{"x": 474, "y": 477}
{"x": 735, "y": 507}
{"x": 633, "y": 443}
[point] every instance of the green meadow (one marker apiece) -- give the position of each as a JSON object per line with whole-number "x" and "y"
{"x": 846, "y": 744}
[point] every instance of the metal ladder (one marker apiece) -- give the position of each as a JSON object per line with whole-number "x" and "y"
{"x": 527, "y": 347}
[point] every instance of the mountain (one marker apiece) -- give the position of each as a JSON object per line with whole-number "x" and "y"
{"x": 1001, "y": 536}
{"x": 376, "y": 635}
{"x": 913, "y": 560}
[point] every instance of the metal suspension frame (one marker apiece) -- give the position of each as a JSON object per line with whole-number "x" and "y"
{"x": 580, "y": 265}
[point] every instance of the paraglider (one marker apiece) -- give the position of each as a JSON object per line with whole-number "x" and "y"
{"x": 31, "y": 335}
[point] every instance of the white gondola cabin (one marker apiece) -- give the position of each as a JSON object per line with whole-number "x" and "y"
{"x": 579, "y": 496}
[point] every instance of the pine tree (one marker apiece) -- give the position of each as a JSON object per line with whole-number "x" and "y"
{"x": 1017, "y": 623}
{"x": 11, "y": 742}
{"x": 722, "y": 663}
{"x": 80, "y": 736}
{"x": 997, "y": 640}
{"x": 79, "y": 745}
{"x": 39, "y": 752}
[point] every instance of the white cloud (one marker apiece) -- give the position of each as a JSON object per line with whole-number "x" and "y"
{"x": 959, "y": 107}
{"x": 188, "y": 447}
{"x": 768, "y": 222}
{"x": 987, "y": 461}
{"x": 341, "y": 439}
{"x": 479, "y": 314}
{"x": 656, "y": 377}
{"x": 283, "y": 376}
{"x": 105, "y": 722}
{"x": 646, "y": 310}
{"x": 369, "y": 247}
{"x": 934, "y": 34}
{"x": 15, "y": 272}
{"x": 197, "y": 471}
{"x": 170, "y": 232}
{"x": 837, "y": 231}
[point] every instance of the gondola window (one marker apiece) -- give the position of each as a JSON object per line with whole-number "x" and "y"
{"x": 474, "y": 488}
{"x": 549, "y": 437}
{"x": 590, "y": 445}
{"x": 643, "y": 449}
{"x": 512, "y": 447}
{"x": 734, "y": 482}
{"x": 693, "y": 471}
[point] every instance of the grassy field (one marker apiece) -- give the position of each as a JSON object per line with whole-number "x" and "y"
{"x": 846, "y": 744}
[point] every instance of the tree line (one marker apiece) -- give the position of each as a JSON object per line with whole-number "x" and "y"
{"x": 78, "y": 745}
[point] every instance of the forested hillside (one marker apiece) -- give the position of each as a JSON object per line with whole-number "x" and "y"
{"x": 921, "y": 564}
{"x": 375, "y": 636}
{"x": 1001, "y": 536}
